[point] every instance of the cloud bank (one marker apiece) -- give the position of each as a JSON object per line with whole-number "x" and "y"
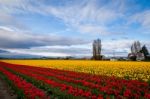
{"x": 89, "y": 19}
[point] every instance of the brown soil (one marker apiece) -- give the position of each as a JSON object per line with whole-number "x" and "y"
{"x": 5, "y": 91}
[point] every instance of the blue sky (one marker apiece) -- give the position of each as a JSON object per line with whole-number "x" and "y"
{"x": 68, "y": 27}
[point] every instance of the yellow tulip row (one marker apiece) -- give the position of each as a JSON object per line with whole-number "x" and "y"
{"x": 128, "y": 70}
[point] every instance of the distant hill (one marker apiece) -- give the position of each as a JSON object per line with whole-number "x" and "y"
{"x": 3, "y": 51}
{"x": 6, "y": 54}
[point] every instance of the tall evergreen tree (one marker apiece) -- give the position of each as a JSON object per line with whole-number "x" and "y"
{"x": 145, "y": 51}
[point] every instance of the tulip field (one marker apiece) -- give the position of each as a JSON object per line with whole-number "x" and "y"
{"x": 77, "y": 79}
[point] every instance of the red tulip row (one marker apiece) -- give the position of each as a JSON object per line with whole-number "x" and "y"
{"x": 69, "y": 74}
{"x": 63, "y": 78}
{"x": 30, "y": 91}
{"x": 60, "y": 74}
{"x": 64, "y": 87}
{"x": 120, "y": 88}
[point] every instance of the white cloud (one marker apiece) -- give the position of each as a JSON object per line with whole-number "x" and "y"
{"x": 36, "y": 52}
{"x": 142, "y": 17}
{"x": 5, "y": 28}
{"x": 86, "y": 17}
{"x": 115, "y": 44}
{"x": 142, "y": 20}
{"x": 92, "y": 29}
{"x": 55, "y": 51}
{"x": 117, "y": 47}
{"x": 11, "y": 2}
{"x": 18, "y": 39}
